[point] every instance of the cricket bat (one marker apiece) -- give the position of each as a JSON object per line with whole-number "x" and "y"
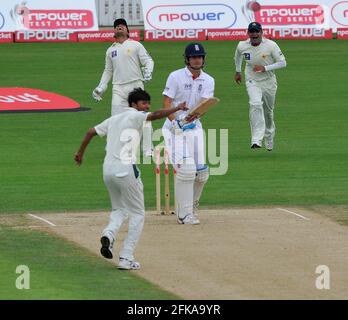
{"x": 202, "y": 108}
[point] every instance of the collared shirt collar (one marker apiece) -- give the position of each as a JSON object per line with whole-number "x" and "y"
{"x": 189, "y": 74}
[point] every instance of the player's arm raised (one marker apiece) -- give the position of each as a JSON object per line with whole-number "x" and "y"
{"x": 88, "y": 137}
{"x": 166, "y": 112}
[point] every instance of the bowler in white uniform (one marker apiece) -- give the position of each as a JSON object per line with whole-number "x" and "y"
{"x": 262, "y": 57}
{"x": 120, "y": 173}
{"x": 185, "y": 144}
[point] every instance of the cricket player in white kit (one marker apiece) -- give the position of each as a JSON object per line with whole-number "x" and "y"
{"x": 262, "y": 57}
{"x": 185, "y": 144}
{"x": 120, "y": 173}
{"x": 128, "y": 64}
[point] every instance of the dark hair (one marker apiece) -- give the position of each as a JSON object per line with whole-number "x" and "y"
{"x": 136, "y": 95}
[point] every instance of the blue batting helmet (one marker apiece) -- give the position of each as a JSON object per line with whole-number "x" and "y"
{"x": 194, "y": 50}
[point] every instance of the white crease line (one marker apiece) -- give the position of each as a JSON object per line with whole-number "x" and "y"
{"x": 296, "y": 214}
{"x": 42, "y": 219}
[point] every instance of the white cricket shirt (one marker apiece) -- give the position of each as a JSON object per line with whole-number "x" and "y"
{"x": 266, "y": 53}
{"x": 123, "y": 132}
{"x": 124, "y": 62}
{"x": 181, "y": 87}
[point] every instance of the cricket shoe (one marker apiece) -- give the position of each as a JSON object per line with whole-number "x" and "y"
{"x": 188, "y": 219}
{"x": 269, "y": 145}
{"x": 106, "y": 249}
{"x": 125, "y": 264}
{"x": 255, "y": 146}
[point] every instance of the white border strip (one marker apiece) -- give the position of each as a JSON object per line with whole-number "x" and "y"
{"x": 42, "y": 219}
{"x": 296, "y": 214}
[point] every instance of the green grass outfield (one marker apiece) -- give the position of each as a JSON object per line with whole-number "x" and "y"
{"x": 307, "y": 167}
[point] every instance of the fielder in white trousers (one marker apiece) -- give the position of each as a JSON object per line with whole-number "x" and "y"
{"x": 127, "y": 199}
{"x": 262, "y": 96}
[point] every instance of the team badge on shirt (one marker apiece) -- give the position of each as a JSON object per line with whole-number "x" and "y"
{"x": 200, "y": 88}
{"x": 114, "y": 54}
{"x": 246, "y": 56}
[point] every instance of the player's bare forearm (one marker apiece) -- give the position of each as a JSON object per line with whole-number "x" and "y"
{"x": 165, "y": 112}
{"x": 86, "y": 140}
{"x": 167, "y": 104}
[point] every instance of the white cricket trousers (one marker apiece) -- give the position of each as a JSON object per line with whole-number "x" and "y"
{"x": 120, "y": 94}
{"x": 186, "y": 151}
{"x": 261, "y": 116}
{"x": 127, "y": 199}
{"x": 119, "y": 101}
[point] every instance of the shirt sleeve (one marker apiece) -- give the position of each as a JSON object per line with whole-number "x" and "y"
{"x": 238, "y": 59}
{"x": 139, "y": 118}
{"x": 145, "y": 60}
{"x": 278, "y": 57}
{"x": 171, "y": 87}
{"x": 209, "y": 90}
{"x": 277, "y": 54}
{"x": 102, "y": 128}
{"x": 107, "y": 74}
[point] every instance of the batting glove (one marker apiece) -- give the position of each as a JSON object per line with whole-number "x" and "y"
{"x": 188, "y": 126}
{"x": 96, "y": 94}
{"x": 177, "y": 126}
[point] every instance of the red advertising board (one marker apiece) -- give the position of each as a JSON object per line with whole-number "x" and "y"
{"x": 284, "y": 15}
{"x": 227, "y": 34}
{"x": 45, "y": 36}
{"x": 342, "y": 33}
{"x": 28, "y": 99}
{"x": 293, "y": 33}
{"x": 176, "y": 35}
{"x": 104, "y": 35}
{"x": 298, "y": 33}
{"x": 6, "y": 37}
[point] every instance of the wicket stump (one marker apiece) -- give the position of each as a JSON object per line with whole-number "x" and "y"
{"x": 166, "y": 172}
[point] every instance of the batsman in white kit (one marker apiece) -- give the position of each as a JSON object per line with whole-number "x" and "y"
{"x": 121, "y": 175}
{"x": 129, "y": 65}
{"x": 184, "y": 142}
{"x": 262, "y": 57}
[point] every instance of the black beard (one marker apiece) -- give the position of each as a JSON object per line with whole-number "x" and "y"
{"x": 255, "y": 42}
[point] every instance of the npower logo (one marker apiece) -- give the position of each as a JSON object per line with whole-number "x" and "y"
{"x": 191, "y": 16}
{"x": 60, "y": 19}
{"x": 339, "y": 13}
{"x": 278, "y": 15}
{"x": 2, "y": 20}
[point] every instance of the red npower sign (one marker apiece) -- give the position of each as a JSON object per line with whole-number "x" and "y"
{"x": 6, "y": 37}
{"x": 45, "y": 36}
{"x": 279, "y": 15}
{"x": 342, "y": 33}
{"x": 177, "y": 34}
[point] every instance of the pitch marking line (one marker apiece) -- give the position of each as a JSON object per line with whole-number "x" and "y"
{"x": 296, "y": 214}
{"x": 42, "y": 219}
